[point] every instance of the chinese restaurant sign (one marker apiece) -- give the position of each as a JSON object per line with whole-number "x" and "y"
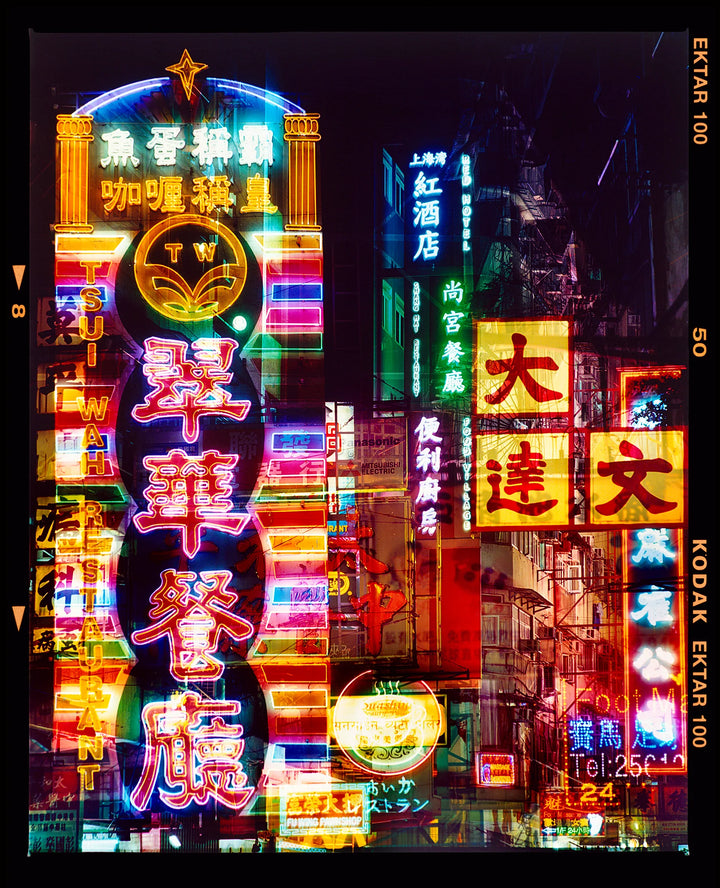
{"x": 187, "y": 251}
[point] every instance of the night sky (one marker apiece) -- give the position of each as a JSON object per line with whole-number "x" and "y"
{"x": 380, "y": 87}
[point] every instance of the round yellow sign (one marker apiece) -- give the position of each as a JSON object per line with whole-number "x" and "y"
{"x": 190, "y": 268}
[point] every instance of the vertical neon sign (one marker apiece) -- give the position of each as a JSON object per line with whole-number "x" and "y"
{"x": 416, "y": 343}
{"x": 427, "y": 208}
{"x": 654, "y": 613}
{"x": 428, "y": 461}
{"x": 453, "y": 335}
{"x": 655, "y": 648}
{"x": 217, "y": 211}
{"x": 466, "y": 181}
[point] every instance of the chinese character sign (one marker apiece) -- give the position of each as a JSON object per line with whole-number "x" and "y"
{"x": 339, "y": 808}
{"x": 192, "y": 754}
{"x": 181, "y": 168}
{"x": 637, "y": 477}
{"x": 192, "y": 612}
{"x": 180, "y": 239}
{"x": 452, "y": 342}
{"x": 426, "y": 196}
{"x": 189, "y": 388}
{"x": 655, "y": 669}
{"x": 428, "y": 452}
{"x": 523, "y": 480}
{"x": 523, "y": 367}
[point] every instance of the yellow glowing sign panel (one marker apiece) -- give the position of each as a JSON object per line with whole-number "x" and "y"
{"x": 338, "y": 809}
{"x": 522, "y": 367}
{"x": 637, "y": 477}
{"x": 181, "y": 247}
{"x": 388, "y": 733}
{"x": 523, "y": 479}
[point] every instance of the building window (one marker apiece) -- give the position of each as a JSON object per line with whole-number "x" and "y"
{"x": 490, "y": 632}
{"x": 387, "y": 320}
{"x": 399, "y": 331}
{"x": 387, "y": 178}
{"x": 399, "y": 201}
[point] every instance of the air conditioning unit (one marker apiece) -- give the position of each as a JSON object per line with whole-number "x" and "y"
{"x": 548, "y": 632}
{"x": 528, "y": 645}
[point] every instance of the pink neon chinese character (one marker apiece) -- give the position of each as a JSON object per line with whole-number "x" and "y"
{"x": 517, "y": 368}
{"x": 426, "y": 430}
{"x": 192, "y": 613}
{"x": 190, "y": 492}
{"x": 200, "y": 761}
{"x": 525, "y": 472}
{"x": 189, "y": 388}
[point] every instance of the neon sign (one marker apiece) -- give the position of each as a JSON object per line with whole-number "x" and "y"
{"x": 655, "y": 647}
{"x": 192, "y": 612}
{"x": 189, "y": 493}
{"x": 466, "y": 181}
{"x": 389, "y": 730}
{"x": 171, "y": 267}
{"x": 416, "y": 343}
{"x": 453, "y": 370}
{"x": 194, "y": 761}
{"x": 216, "y": 233}
{"x": 495, "y": 769}
{"x": 428, "y": 461}
{"x": 341, "y": 808}
{"x": 427, "y": 207}
{"x": 466, "y": 450}
{"x": 189, "y": 388}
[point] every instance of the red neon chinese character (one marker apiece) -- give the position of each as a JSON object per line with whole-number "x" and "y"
{"x": 629, "y": 475}
{"x": 200, "y": 761}
{"x": 516, "y": 368}
{"x": 192, "y": 619}
{"x": 346, "y": 549}
{"x": 524, "y": 474}
{"x": 190, "y": 492}
{"x": 376, "y": 608}
{"x": 189, "y": 388}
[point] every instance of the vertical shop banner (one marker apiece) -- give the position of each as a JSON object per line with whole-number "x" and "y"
{"x": 188, "y": 267}
{"x": 655, "y": 655}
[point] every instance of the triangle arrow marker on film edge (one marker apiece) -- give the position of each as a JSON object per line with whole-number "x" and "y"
{"x": 18, "y": 271}
{"x": 18, "y": 610}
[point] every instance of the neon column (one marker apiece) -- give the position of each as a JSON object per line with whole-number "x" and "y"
{"x": 301, "y": 132}
{"x": 74, "y": 135}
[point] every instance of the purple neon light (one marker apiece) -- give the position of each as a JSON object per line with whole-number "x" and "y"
{"x": 140, "y": 86}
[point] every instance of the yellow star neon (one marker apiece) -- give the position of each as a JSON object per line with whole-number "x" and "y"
{"x": 186, "y": 69}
